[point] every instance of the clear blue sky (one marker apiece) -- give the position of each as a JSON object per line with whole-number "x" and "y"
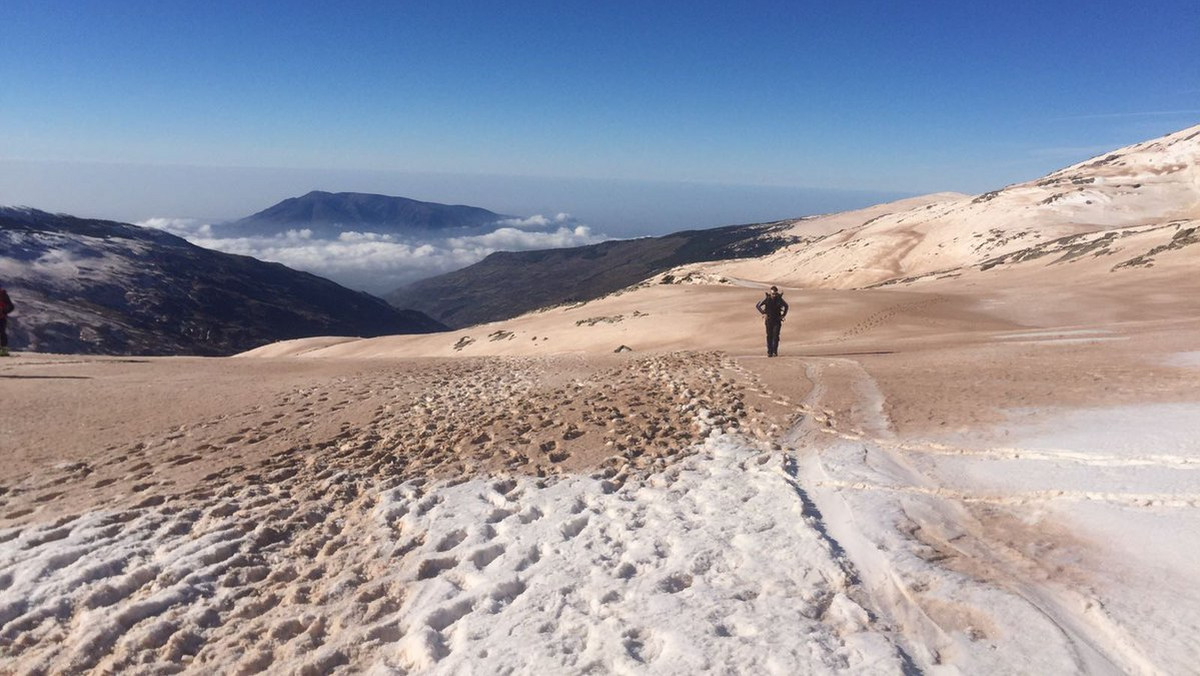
{"x": 872, "y": 96}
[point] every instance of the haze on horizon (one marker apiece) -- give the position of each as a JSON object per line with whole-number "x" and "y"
{"x": 635, "y": 119}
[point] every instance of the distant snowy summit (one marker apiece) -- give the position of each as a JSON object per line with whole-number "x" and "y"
{"x": 329, "y": 214}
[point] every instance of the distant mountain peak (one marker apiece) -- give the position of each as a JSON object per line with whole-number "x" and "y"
{"x": 329, "y": 214}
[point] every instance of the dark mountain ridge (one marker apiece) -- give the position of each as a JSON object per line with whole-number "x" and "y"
{"x": 102, "y": 287}
{"x": 507, "y": 284}
{"x": 330, "y": 214}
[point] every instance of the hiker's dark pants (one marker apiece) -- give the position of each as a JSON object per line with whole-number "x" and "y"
{"x": 3, "y": 331}
{"x": 773, "y": 326}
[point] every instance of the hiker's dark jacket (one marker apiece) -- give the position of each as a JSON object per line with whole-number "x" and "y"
{"x": 774, "y": 307}
{"x": 6, "y": 304}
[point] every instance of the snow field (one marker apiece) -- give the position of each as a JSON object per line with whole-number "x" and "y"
{"x": 1069, "y": 550}
{"x": 713, "y": 564}
{"x": 848, "y": 550}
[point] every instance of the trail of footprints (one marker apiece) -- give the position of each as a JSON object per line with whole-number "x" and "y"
{"x": 158, "y": 588}
{"x": 496, "y": 414}
{"x": 148, "y": 588}
{"x": 583, "y": 573}
{"x": 347, "y": 547}
{"x": 877, "y": 319}
{"x": 285, "y": 544}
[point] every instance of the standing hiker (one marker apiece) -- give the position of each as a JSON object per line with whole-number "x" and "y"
{"x": 773, "y": 308}
{"x": 6, "y": 306}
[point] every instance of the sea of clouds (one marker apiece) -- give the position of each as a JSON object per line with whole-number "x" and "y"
{"x": 380, "y": 262}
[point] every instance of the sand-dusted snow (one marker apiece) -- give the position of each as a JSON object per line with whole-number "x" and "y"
{"x": 696, "y": 568}
{"x": 912, "y": 503}
{"x": 977, "y": 454}
{"x": 785, "y": 526}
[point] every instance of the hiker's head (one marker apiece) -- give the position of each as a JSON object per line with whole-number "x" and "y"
{"x": 774, "y": 291}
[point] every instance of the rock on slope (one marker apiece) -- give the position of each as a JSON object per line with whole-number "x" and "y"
{"x": 330, "y": 214}
{"x": 100, "y": 287}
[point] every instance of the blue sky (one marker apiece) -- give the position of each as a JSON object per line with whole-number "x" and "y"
{"x": 763, "y": 103}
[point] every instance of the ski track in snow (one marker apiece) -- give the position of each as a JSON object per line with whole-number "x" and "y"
{"x": 936, "y": 561}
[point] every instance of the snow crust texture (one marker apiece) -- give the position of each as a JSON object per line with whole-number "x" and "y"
{"x": 838, "y": 546}
{"x": 696, "y": 568}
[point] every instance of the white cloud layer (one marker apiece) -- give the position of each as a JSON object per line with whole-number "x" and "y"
{"x": 378, "y": 262}
{"x": 184, "y": 227}
{"x": 536, "y": 221}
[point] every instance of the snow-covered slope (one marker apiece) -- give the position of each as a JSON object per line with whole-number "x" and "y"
{"x": 1140, "y": 187}
{"x": 91, "y": 286}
